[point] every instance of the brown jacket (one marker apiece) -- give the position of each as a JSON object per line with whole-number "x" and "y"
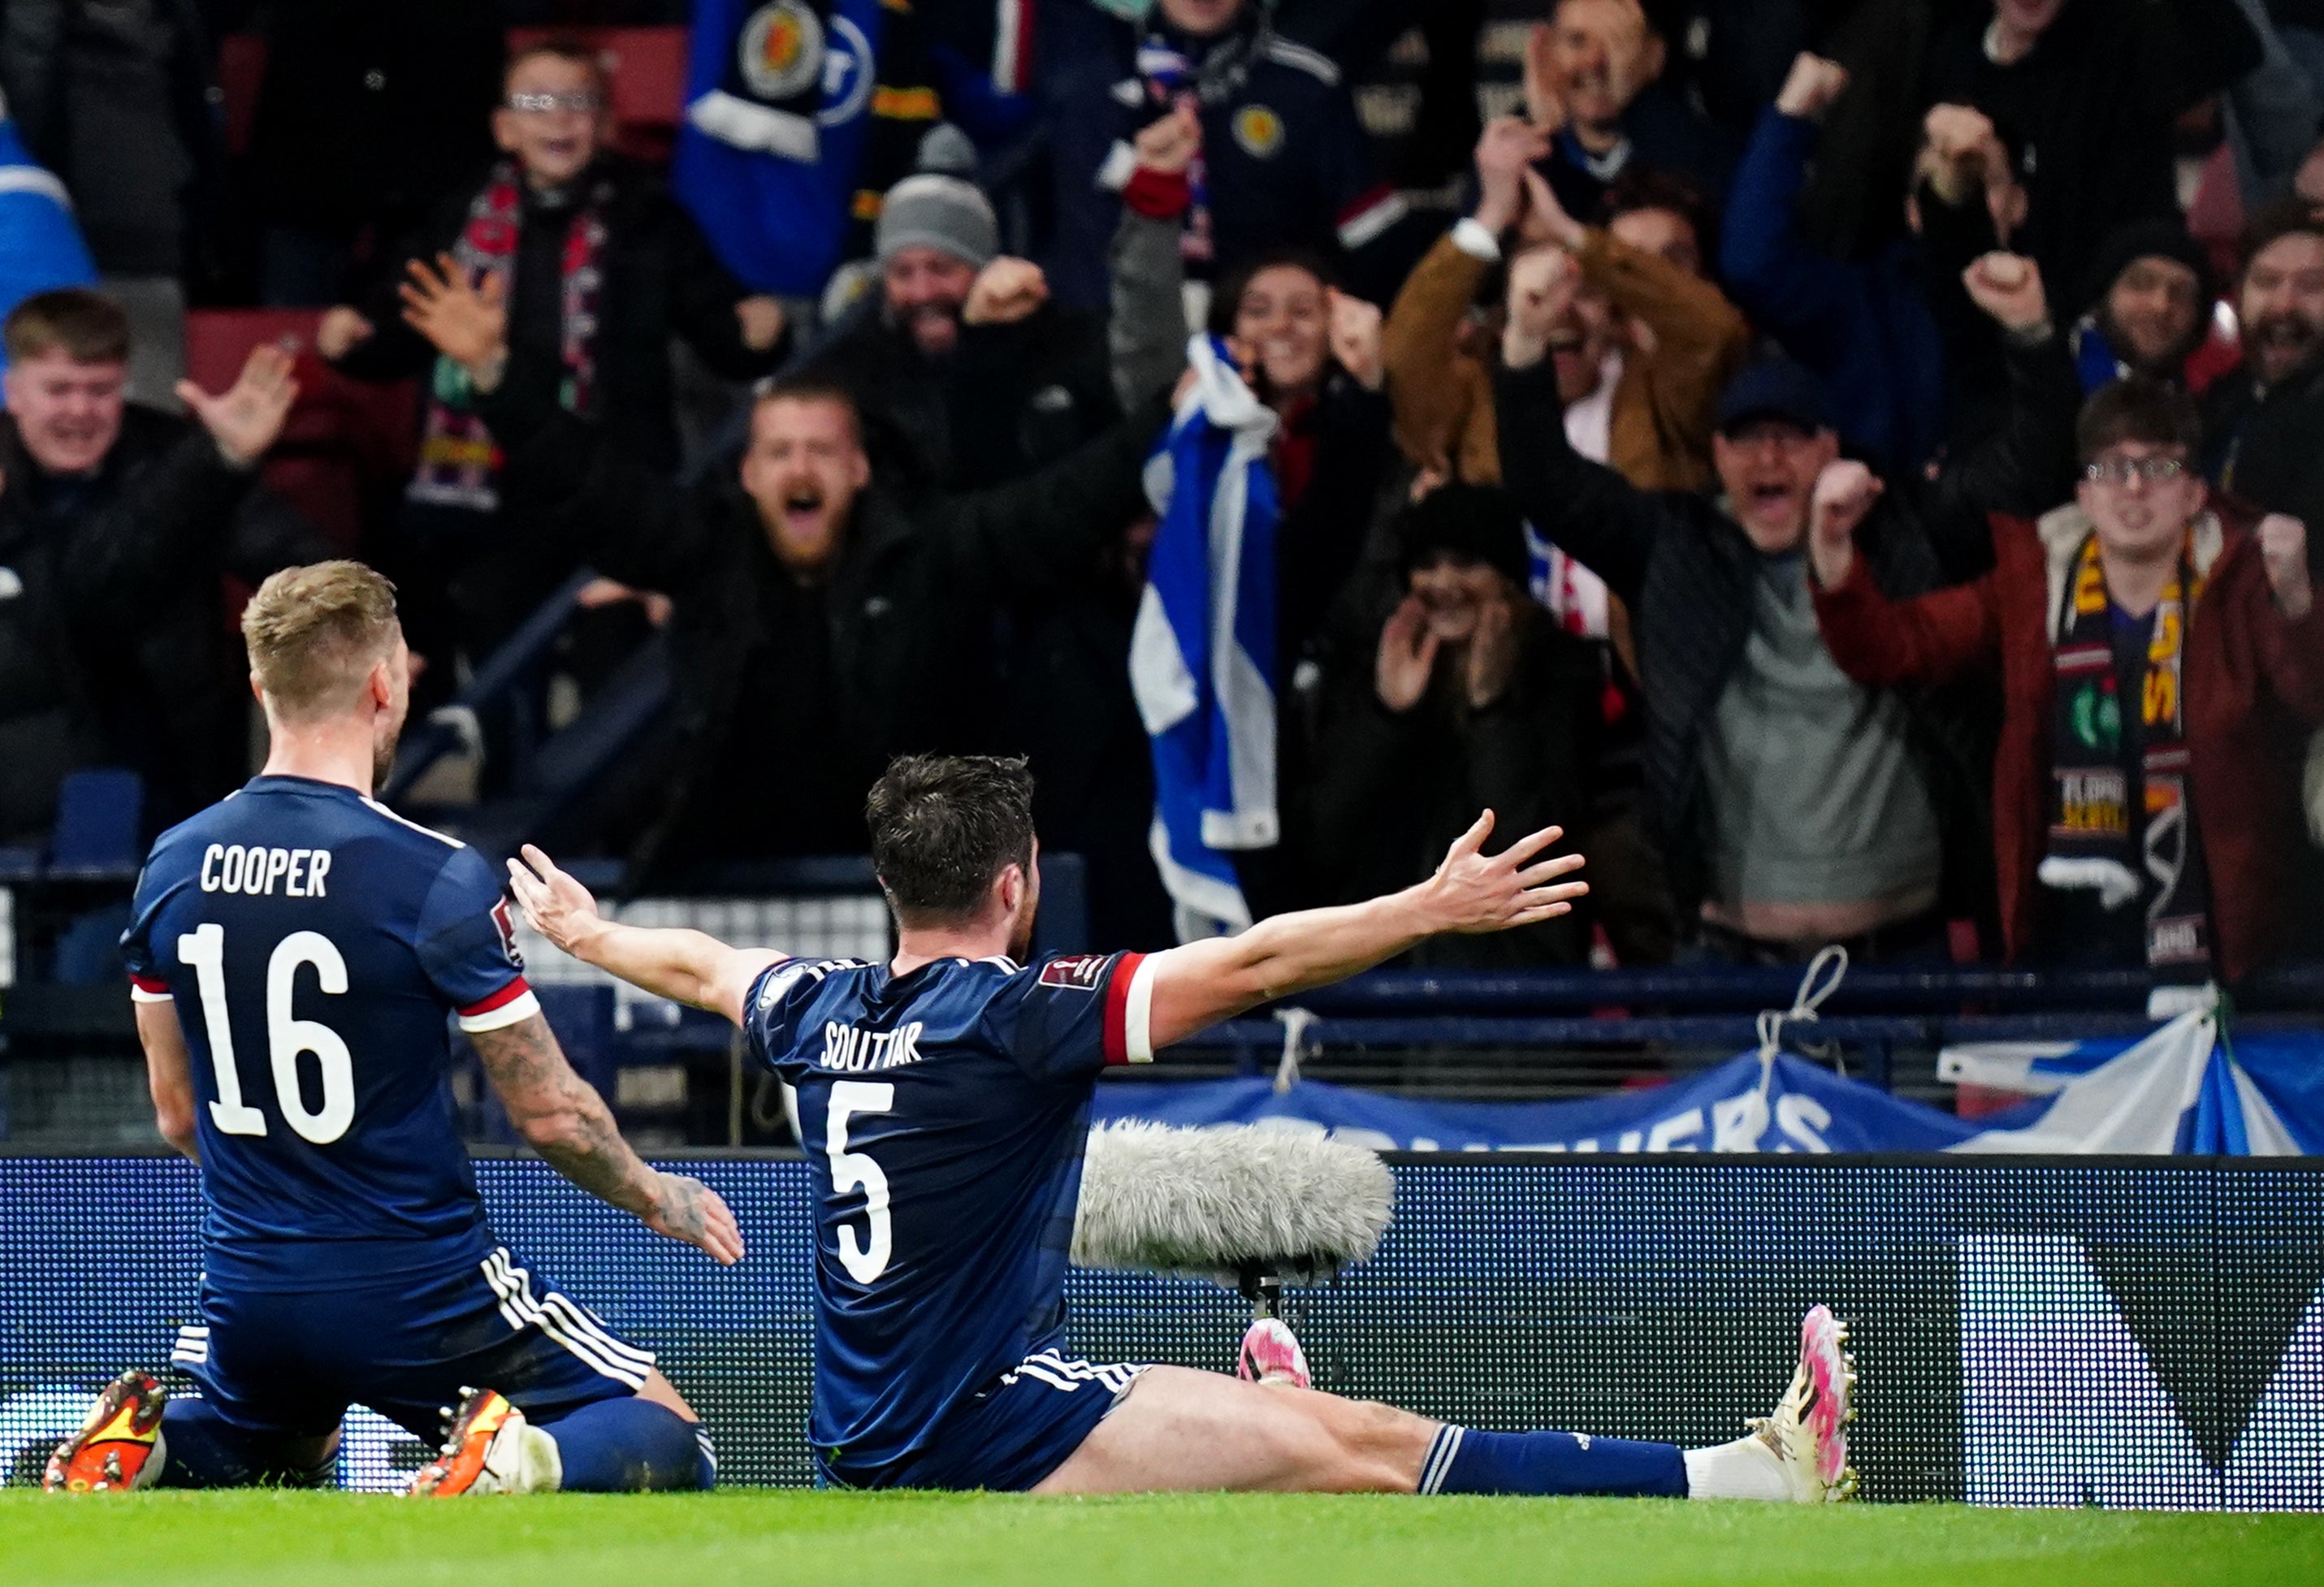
{"x": 1691, "y": 342}
{"x": 2254, "y": 682}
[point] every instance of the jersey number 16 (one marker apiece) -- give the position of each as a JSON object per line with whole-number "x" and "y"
{"x": 203, "y": 948}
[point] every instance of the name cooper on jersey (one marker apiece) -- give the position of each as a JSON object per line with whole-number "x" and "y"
{"x": 232, "y": 868}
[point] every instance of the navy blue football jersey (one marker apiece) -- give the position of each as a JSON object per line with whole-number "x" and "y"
{"x": 945, "y": 1114}
{"x": 318, "y": 947}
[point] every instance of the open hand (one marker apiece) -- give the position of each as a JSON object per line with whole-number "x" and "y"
{"x": 247, "y": 418}
{"x": 1407, "y": 656}
{"x": 2283, "y": 552}
{"x": 2008, "y": 287}
{"x": 1471, "y": 893}
{"x": 1170, "y": 145}
{"x": 555, "y": 905}
{"x": 688, "y": 1210}
{"x": 1355, "y": 337}
{"x": 469, "y": 324}
{"x": 1006, "y": 291}
{"x": 1811, "y": 87}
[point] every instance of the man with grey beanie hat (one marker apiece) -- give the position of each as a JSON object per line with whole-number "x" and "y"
{"x": 965, "y": 373}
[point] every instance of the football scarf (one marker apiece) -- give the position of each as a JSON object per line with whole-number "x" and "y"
{"x": 459, "y": 462}
{"x": 2097, "y": 839}
{"x": 1169, "y": 77}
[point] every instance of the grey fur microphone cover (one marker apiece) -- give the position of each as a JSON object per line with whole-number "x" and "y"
{"x": 1227, "y": 1201}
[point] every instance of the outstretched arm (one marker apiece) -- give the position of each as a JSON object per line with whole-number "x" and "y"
{"x": 1197, "y": 985}
{"x": 684, "y": 967}
{"x": 561, "y": 1116}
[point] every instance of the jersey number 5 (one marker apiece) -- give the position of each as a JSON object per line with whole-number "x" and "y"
{"x": 865, "y": 1263}
{"x": 203, "y": 948}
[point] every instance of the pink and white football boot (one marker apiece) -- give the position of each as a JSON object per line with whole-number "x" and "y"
{"x": 1809, "y": 1430}
{"x": 1271, "y": 1356}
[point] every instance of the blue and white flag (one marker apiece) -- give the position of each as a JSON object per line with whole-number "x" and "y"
{"x": 1201, "y": 655}
{"x": 2180, "y": 1089}
{"x": 41, "y": 247}
{"x": 2188, "y": 1088}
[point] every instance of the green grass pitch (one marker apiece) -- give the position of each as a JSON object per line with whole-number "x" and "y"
{"x": 770, "y": 1539}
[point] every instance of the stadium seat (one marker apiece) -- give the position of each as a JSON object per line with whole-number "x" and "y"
{"x": 99, "y": 814}
{"x": 346, "y": 442}
{"x": 645, "y": 73}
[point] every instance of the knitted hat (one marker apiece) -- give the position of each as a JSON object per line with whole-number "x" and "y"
{"x": 1476, "y": 523}
{"x": 940, "y": 212}
{"x": 2158, "y": 238}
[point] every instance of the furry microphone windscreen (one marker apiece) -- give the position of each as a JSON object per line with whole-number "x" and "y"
{"x": 1228, "y": 1200}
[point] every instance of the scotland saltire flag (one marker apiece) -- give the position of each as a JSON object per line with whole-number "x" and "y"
{"x": 2191, "y": 1086}
{"x": 1202, "y": 656}
{"x": 2183, "y": 1088}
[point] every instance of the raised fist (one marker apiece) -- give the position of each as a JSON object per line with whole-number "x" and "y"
{"x": 1844, "y": 495}
{"x": 1170, "y": 145}
{"x": 1541, "y": 289}
{"x": 1005, "y": 291}
{"x": 2283, "y": 552}
{"x": 1811, "y": 87}
{"x": 1355, "y": 336}
{"x": 2008, "y": 287}
{"x": 340, "y": 332}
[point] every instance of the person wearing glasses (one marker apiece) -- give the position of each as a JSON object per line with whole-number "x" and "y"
{"x": 599, "y": 269}
{"x": 2160, "y": 658}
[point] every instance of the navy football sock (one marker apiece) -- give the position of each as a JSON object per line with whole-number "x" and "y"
{"x": 201, "y": 1449}
{"x": 630, "y": 1446}
{"x": 1463, "y": 1460}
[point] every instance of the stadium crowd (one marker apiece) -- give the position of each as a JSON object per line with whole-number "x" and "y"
{"x": 1833, "y": 457}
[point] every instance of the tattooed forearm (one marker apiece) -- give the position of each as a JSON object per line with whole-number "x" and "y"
{"x": 562, "y": 1117}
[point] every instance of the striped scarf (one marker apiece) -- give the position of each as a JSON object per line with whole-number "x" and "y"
{"x": 459, "y": 462}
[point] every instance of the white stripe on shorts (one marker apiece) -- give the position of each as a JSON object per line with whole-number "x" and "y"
{"x": 562, "y": 1320}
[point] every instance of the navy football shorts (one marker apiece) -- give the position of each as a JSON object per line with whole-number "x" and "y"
{"x": 1008, "y": 1437}
{"x": 290, "y": 1365}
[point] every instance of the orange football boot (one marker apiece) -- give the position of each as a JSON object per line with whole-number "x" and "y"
{"x": 115, "y": 1449}
{"x": 490, "y": 1448}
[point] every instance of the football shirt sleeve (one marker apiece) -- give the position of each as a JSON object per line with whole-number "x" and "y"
{"x": 771, "y": 1012}
{"x": 467, "y": 946}
{"x": 1070, "y": 1018}
{"x": 147, "y": 984}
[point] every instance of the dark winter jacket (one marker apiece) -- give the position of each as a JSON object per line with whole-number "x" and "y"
{"x": 1287, "y": 163}
{"x": 1686, "y": 570}
{"x": 119, "y": 581}
{"x": 1392, "y": 790}
{"x": 660, "y": 281}
{"x": 116, "y": 99}
{"x": 1009, "y": 399}
{"x": 1864, "y": 326}
{"x": 910, "y": 601}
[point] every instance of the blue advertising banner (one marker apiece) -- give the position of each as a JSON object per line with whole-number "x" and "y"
{"x": 2183, "y": 1089}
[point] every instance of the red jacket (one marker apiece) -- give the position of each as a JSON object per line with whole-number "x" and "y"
{"x": 2255, "y": 683}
